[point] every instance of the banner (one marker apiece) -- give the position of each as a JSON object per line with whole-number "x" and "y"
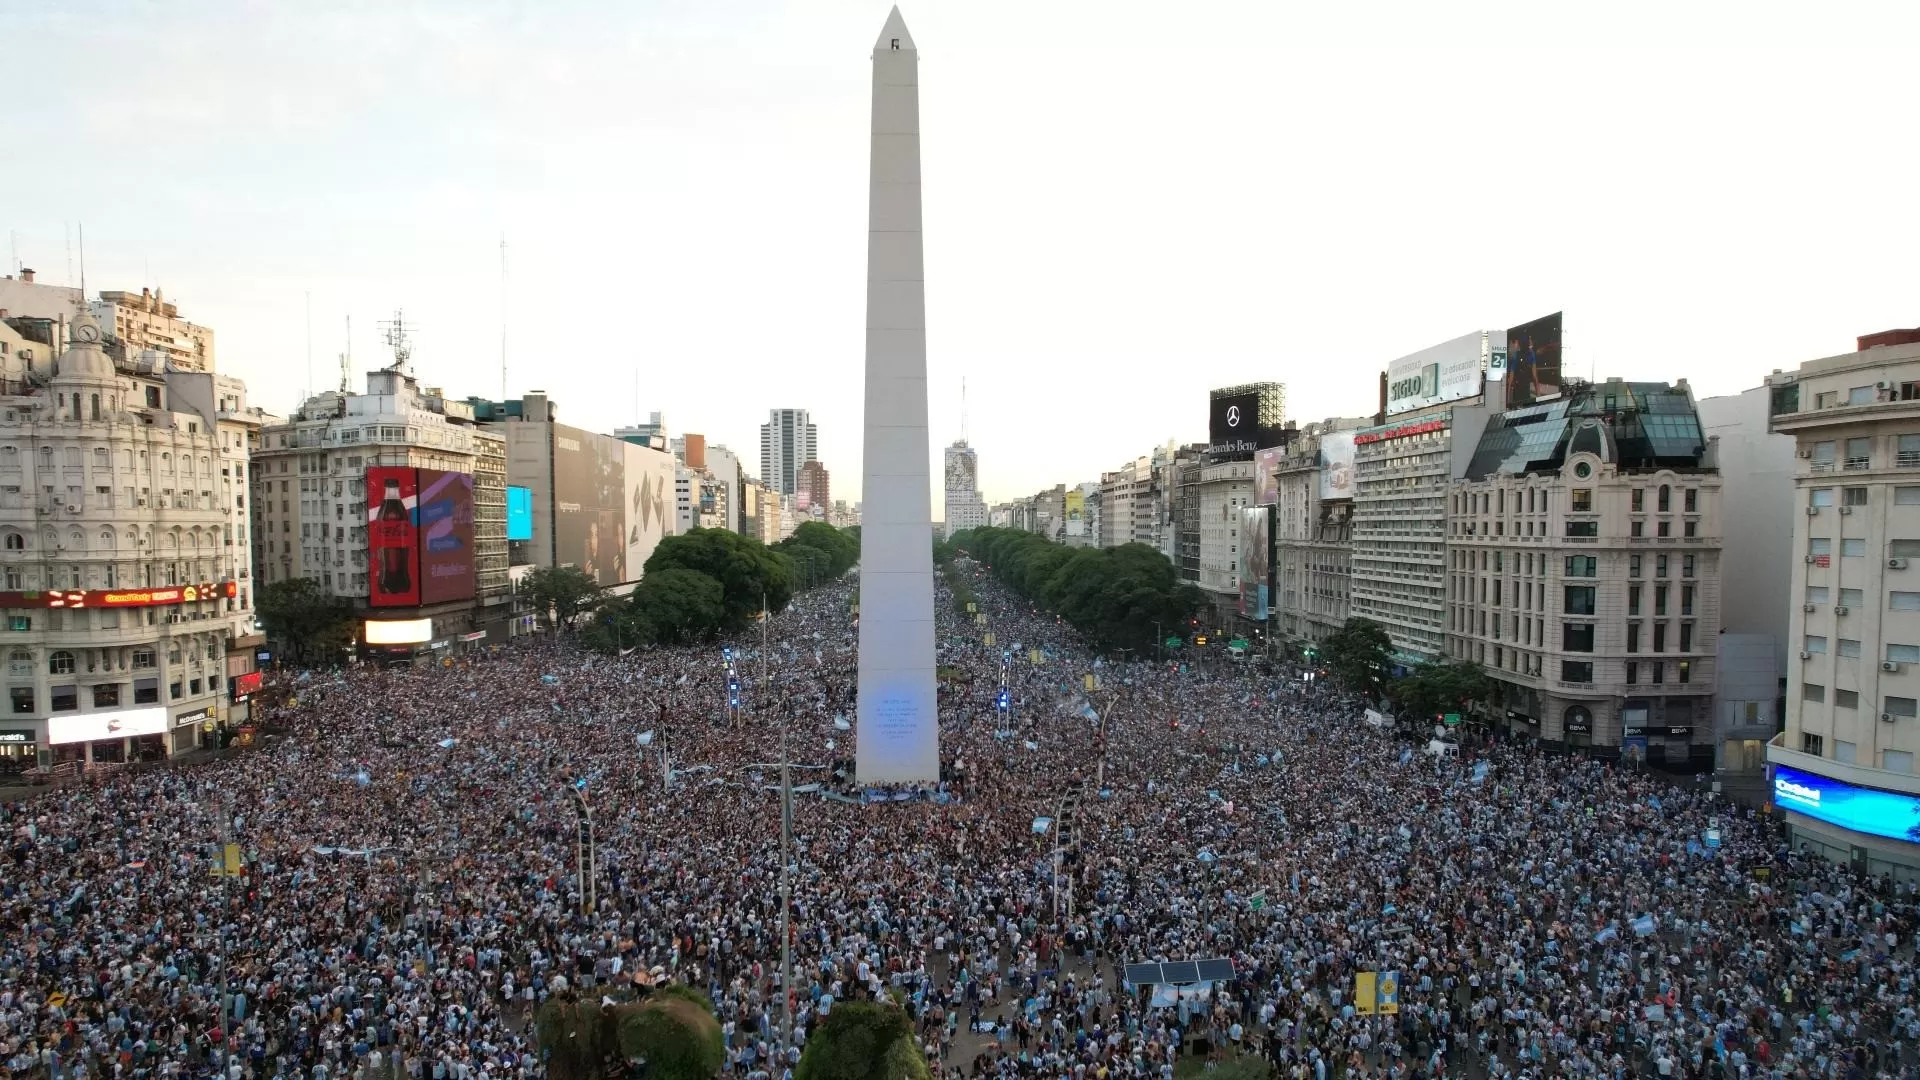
{"x": 1365, "y": 993}
{"x": 1266, "y": 478}
{"x": 393, "y": 537}
{"x": 1533, "y": 361}
{"x": 650, "y": 503}
{"x": 1336, "y": 465}
{"x": 1256, "y": 561}
{"x": 446, "y": 536}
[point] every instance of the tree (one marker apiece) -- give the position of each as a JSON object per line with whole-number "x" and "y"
{"x": 810, "y": 566}
{"x": 674, "y": 1031}
{"x": 862, "y": 1040}
{"x": 575, "y": 1035}
{"x": 748, "y": 571}
{"x": 1436, "y": 689}
{"x": 1118, "y": 598}
{"x": 677, "y": 607}
{"x": 304, "y": 619}
{"x": 1359, "y": 655}
{"x": 562, "y": 592}
{"x": 842, "y": 546}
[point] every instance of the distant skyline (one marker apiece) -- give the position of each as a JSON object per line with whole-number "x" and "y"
{"x": 1126, "y": 204}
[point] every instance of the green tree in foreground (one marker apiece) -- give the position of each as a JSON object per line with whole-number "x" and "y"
{"x": 298, "y": 615}
{"x": 1359, "y": 654}
{"x": 676, "y": 607}
{"x": 1436, "y": 689}
{"x": 673, "y": 1030}
{"x": 747, "y": 570}
{"x": 558, "y": 593}
{"x": 863, "y": 1040}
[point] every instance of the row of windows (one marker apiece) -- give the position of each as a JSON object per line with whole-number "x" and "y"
{"x": 108, "y": 695}
{"x": 1857, "y": 453}
{"x": 108, "y": 540}
{"x": 1581, "y": 671}
{"x": 1900, "y": 761}
{"x": 1901, "y": 707}
{"x": 1820, "y": 549}
{"x": 1579, "y": 501}
{"x": 104, "y": 458}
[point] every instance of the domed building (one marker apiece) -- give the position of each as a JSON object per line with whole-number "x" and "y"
{"x": 124, "y": 567}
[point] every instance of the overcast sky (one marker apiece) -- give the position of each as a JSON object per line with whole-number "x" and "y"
{"x": 1127, "y": 203}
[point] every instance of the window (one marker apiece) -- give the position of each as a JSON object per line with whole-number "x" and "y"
{"x": 106, "y": 696}
{"x": 1576, "y": 637}
{"x": 65, "y": 698}
{"x": 1663, "y": 528}
{"x": 1659, "y": 599}
{"x": 1579, "y": 599}
{"x": 1576, "y": 671}
{"x": 1847, "y": 647}
{"x": 1903, "y": 549}
{"x": 1853, "y": 548}
{"x": 1859, "y": 453}
{"x": 1815, "y": 644}
{"x": 1666, "y": 499}
{"x": 1659, "y": 637}
{"x": 1813, "y": 692}
{"x": 1633, "y": 566}
{"x": 1633, "y": 637}
{"x": 1903, "y": 601}
{"x": 1583, "y": 566}
{"x": 1684, "y": 671}
{"x": 1691, "y": 501}
{"x": 1844, "y": 699}
{"x": 1811, "y": 744}
{"x": 1686, "y": 637}
{"x": 1908, "y": 448}
{"x": 1583, "y": 528}
{"x": 1823, "y": 454}
{"x": 1900, "y": 706}
{"x": 1582, "y": 500}
{"x": 16, "y": 542}
{"x": 1861, "y": 395}
{"x": 61, "y": 663}
{"x": 1636, "y": 527}
{"x": 143, "y": 658}
{"x": 1659, "y": 672}
{"x": 1686, "y": 561}
{"x": 1639, "y": 499}
{"x": 1820, "y": 547}
{"x": 1850, "y": 598}
{"x": 1906, "y": 496}
{"x": 1903, "y": 654}
{"x": 1633, "y": 599}
{"x": 1853, "y": 496}
{"x": 22, "y": 699}
{"x": 1659, "y": 566}
{"x": 1843, "y": 751}
{"x": 1686, "y": 599}
{"x": 1633, "y": 673}
{"x": 1900, "y": 761}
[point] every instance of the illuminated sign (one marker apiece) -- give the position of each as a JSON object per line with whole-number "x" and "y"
{"x": 1836, "y": 802}
{"x": 246, "y": 684}
{"x": 1422, "y": 428}
{"x": 88, "y": 727}
{"x": 399, "y": 631}
{"x": 194, "y": 716}
{"x": 65, "y": 599}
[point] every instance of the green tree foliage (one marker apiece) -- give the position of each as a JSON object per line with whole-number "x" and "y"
{"x": 811, "y": 567}
{"x": 1359, "y": 654}
{"x": 1115, "y": 597}
{"x": 674, "y": 1031}
{"x": 676, "y": 607}
{"x": 575, "y": 1035}
{"x": 303, "y": 619}
{"x": 842, "y": 546}
{"x": 1436, "y": 689}
{"x": 747, "y": 571}
{"x": 862, "y": 1040}
{"x": 558, "y": 593}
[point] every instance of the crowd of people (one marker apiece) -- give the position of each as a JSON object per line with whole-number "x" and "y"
{"x": 410, "y": 886}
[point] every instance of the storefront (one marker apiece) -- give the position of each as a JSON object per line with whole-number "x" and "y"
{"x": 192, "y": 728}
{"x": 100, "y": 738}
{"x": 19, "y": 750}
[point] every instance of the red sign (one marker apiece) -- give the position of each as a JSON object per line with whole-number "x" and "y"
{"x": 393, "y": 537}
{"x": 244, "y": 685}
{"x": 118, "y": 598}
{"x": 1823, "y": 560}
{"x": 445, "y": 516}
{"x": 1421, "y": 428}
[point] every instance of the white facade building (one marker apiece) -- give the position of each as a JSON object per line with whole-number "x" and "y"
{"x": 964, "y": 509}
{"x": 788, "y": 439}
{"x": 1225, "y": 487}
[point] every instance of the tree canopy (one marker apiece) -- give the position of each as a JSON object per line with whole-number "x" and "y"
{"x": 749, "y": 573}
{"x": 1359, "y": 654}
{"x": 561, "y": 592}
{"x": 862, "y": 1040}
{"x": 1119, "y": 598}
{"x": 303, "y": 619}
{"x": 673, "y": 1030}
{"x": 1433, "y": 690}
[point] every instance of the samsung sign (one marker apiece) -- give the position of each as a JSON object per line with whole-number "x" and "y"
{"x": 1446, "y": 372}
{"x": 1864, "y": 810}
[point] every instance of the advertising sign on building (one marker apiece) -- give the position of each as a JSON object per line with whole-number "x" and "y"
{"x": 91, "y": 727}
{"x": 1255, "y": 561}
{"x": 1446, "y": 372}
{"x": 74, "y": 599}
{"x": 1533, "y": 361}
{"x": 590, "y": 505}
{"x": 1266, "y": 475}
{"x": 1233, "y": 424}
{"x": 446, "y": 536}
{"x": 1867, "y": 810}
{"x": 1076, "y": 511}
{"x": 1336, "y": 465}
{"x": 649, "y": 503}
{"x": 393, "y": 537}
{"x": 519, "y": 513}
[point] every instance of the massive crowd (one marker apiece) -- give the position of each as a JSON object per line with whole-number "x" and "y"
{"x": 410, "y": 889}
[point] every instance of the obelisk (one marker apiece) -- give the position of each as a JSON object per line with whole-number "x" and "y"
{"x": 898, "y": 736}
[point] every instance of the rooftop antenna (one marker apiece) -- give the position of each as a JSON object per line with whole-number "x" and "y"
{"x": 309, "y": 390}
{"x": 66, "y": 230}
{"x": 81, "y": 229}
{"x": 963, "y": 408}
{"x": 13, "y": 244}
{"x": 503, "y": 317}
{"x": 395, "y": 330}
{"x": 346, "y": 361}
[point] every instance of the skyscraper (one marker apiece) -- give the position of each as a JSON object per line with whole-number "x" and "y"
{"x": 964, "y": 507}
{"x": 898, "y": 735}
{"x": 787, "y": 440}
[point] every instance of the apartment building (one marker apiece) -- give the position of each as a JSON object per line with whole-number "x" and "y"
{"x": 1313, "y": 532}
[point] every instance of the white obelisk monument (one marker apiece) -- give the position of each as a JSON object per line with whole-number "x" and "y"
{"x": 898, "y": 736}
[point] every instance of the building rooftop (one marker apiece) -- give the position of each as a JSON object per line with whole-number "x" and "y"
{"x": 1635, "y": 425}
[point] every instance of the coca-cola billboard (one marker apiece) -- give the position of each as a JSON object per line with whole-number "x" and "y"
{"x": 393, "y": 537}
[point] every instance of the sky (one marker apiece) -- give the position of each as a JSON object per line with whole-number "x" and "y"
{"x": 1126, "y": 203}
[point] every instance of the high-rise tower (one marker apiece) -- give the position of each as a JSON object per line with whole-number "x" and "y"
{"x": 899, "y": 721}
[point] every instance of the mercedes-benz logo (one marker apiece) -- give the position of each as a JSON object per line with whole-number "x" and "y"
{"x": 1233, "y": 416}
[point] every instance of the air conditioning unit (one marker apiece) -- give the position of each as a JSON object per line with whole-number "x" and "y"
{"x": 1808, "y": 559}
{"x": 73, "y": 508}
{"x": 1806, "y": 453}
{"x": 1887, "y": 716}
{"x": 1891, "y": 665}
{"x": 143, "y": 500}
{"x": 1812, "y": 510}
{"x": 1805, "y": 655}
{"x": 1896, "y": 564}
{"x": 176, "y": 617}
{"x": 1885, "y": 386}
{"x": 1809, "y": 608}
{"x": 1846, "y": 510}
{"x": 1840, "y": 611}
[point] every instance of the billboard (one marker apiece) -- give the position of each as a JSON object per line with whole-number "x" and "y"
{"x": 1076, "y": 511}
{"x": 1266, "y": 475}
{"x": 590, "y": 504}
{"x": 118, "y": 598}
{"x": 1448, "y": 371}
{"x": 398, "y": 631}
{"x": 651, "y": 502}
{"x": 393, "y": 537}
{"x": 962, "y": 466}
{"x": 1533, "y": 361}
{"x": 1336, "y": 465}
{"x": 1255, "y": 561}
{"x": 1233, "y": 423}
{"x": 519, "y": 513}
{"x": 1836, "y": 802}
{"x": 124, "y": 724}
{"x": 445, "y": 516}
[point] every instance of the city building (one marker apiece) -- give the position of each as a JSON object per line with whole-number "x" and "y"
{"x": 1313, "y": 531}
{"x": 50, "y": 308}
{"x": 1185, "y": 472}
{"x": 1127, "y": 510}
{"x": 964, "y": 508}
{"x": 724, "y": 466}
{"x": 1223, "y": 488}
{"x": 145, "y": 322}
{"x": 814, "y": 490}
{"x": 1843, "y": 770}
{"x": 312, "y": 507}
{"x": 788, "y": 438}
{"x": 1583, "y": 570}
{"x": 1435, "y": 410}
{"x": 645, "y": 434}
{"x": 128, "y": 591}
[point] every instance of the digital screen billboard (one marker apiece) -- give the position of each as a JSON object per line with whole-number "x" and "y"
{"x": 1256, "y": 561}
{"x": 1076, "y": 512}
{"x": 393, "y": 537}
{"x": 519, "y": 513}
{"x": 1336, "y": 465}
{"x": 1233, "y": 423}
{"x": 1533, "y": 361}
{"x": 88, "y": 727}
{"x": 1446, "y": 372}
{"x": 651, "y": 502}
{"x": 590, "y": 504}
{"x": 245, "y": 686}
{"x": 1266, "y": 475}
{"x": 445, "y": 515}
{"x": 398, "y": 631}
{"x": 1836, "y": 802}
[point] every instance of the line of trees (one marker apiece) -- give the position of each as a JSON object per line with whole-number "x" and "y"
{"x": 1360, "y": 655}
{"x": 1118, "y": 598}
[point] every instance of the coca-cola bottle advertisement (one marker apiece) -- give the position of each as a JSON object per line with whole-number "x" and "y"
{"x": 393, "y": 537}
